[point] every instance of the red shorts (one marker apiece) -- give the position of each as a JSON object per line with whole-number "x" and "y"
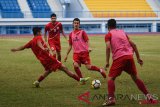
{"x": 82, "y": 58}
{"x": 51, "y": 64}
{"x": 54, "y": 45}
{"x": 124, "y": 63}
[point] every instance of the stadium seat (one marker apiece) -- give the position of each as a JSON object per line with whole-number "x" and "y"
{"x": 120, "y": 8}
{"x": 39, "y": 8}
{"x": 10, "y": 9}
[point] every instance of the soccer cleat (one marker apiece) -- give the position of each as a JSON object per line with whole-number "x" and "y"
{"x": 103, "y": 73}
{"x": 110, "y": 102}
{"x": 149, "y": 100}
{"x": 36, "y": 84}
{"x": 83, "y": 80}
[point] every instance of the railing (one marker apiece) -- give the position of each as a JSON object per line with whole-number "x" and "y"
{"x": 99, "y": 14}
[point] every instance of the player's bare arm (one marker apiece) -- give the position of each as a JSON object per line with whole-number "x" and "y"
{"x": 89, "y": 48}
{"x": 64, "y": 35}
{"x": 18, "y": 49}
{"x": 108, "y": 48}
{"x": 41, "y": 46}
{"x": 45, "y": 36}
{"x": 139, "y": 60}
{"x": 68, "y": 51}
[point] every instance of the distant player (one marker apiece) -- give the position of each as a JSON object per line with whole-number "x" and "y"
{"x": 54, "y": 28}
{"x": 39, "y": 48}
{"x": 122, "y": 48}
{"x": 78, "y": 39}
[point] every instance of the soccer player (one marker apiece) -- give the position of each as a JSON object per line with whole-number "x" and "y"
{"x": 41, "y": 51}
{"x": 78, "y": 39}
{"x": 122, "y": 48}
{"x": 54, "y": 28}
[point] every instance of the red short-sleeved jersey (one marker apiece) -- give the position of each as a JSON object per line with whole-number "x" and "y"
{"x": 54, "y": 31}
{"x": 47, "y": 60}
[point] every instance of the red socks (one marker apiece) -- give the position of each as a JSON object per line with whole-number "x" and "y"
{"x": 141, "y": 86}
{"x": 40, "y": 78}
{"x": 75, "y": 77}
{"x": 111, "y": 88}
{"x": 78, "y": 72}
{"x": 94, "y": 68}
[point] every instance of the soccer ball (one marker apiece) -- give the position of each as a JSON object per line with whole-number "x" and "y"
{"x": 96, "y": 84}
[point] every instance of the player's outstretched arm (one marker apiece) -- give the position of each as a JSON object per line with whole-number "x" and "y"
{"x": 18, "y": 49}
{"x": 140, "y": 61}
{"x": 68, "y": 51}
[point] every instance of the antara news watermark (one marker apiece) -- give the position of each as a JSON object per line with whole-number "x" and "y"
{"x": 88, "y": 98}
{"x": 123, "y": 97}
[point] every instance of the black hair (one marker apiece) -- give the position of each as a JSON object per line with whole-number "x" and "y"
{"x": 76, "y": 19}
{"x": 111, "y": 23}
{"x": 53, "y": 15}
{"x": 36, "y": 30}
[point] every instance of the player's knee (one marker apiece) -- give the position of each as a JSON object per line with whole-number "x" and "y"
{"x": 75, "y": 65}
{"x": 134, "y": 77}
{"x": 111, "y": 78}
{"x": 88, "y": 67}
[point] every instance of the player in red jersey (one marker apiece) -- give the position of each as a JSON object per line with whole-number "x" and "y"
{"x": 122, "y": 53}
{"x": 54, "y": 28}
{"x": 41, "y": 51}
{"x": 78, "y": 39}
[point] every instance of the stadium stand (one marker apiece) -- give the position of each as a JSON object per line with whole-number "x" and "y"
{"x": 39, "y": 8}
{"x": 120, "y": 8}
{"x": 10, "y": 9}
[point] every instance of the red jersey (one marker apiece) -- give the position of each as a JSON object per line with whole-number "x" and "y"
{"x": 54, "y": 31}
{"x": 119, "y": 43}
{"x": 78, "y": 39}
{"x": 39, "y": 53}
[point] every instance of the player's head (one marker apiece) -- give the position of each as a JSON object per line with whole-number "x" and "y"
{"x": 76, "y": 23}
{"x": 111, "y": 24}
{"x": 36, "y": 31}
{"x": 53, "y": 17}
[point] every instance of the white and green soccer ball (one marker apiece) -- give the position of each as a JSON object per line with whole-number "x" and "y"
{"x": 96, "y": 84}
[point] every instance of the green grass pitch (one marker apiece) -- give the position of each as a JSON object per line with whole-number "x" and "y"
{"x": 19, "y": 70}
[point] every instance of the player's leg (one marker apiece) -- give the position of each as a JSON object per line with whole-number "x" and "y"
{"x": 74, "y": 76}
{"x": 85, "y": 59}
{"x": 111, "y": 90}
{"x": 58, "y": 51}
{"x": 131, "y": 69}
{"x": 77, "y": 69}
{"x": 76, "y": 65}
{"x": 59, "y": 55}
{"x": 139, "y": 84}
{"x": 95, "y": 68}
{"x": 41, "y": 78}
{"x": 115, "y": 70}
{"x": 52, "y": 48}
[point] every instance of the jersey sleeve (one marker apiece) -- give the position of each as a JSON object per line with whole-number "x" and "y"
{"x": 70, "y": 38}
{"x": 28, "y": 45}
{"x": 85, "y": 37}
{"x": 108, "y": 37}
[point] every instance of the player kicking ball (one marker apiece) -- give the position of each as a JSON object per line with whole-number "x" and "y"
{"x": 41, "y": 51}
{"x": 78, "y": 40}
{"x": 122, "y": 48}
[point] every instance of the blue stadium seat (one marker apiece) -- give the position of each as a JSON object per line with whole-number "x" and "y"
{"x": 39, "y": 8}
{"x": 10, "y": 9}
